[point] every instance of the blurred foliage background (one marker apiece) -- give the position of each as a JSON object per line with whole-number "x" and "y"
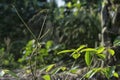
{"x": 75, "y": 23}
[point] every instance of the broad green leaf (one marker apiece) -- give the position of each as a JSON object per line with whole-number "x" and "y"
{"x": 76, "y": 55}
{"x": 89, "y": 49}
{"x": 50, "y": 67}
{"x": 112, "y": 52}
{"x": 100, "y": 49}
{"x": 66, "y": 51}
{"x": 115, "y": 74}
{"x": 46, "y": 77}
{"x": 88, "y": 58}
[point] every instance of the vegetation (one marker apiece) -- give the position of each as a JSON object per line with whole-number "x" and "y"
{"x": 43, "y": 41}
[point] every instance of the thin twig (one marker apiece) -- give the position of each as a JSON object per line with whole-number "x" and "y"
{"x": 44, "y": 34}
{"x": 24, "y": 22}
{"x": 42, "y": 27}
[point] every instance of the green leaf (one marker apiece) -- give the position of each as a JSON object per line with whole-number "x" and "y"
{"x": 43, "y": 52}
{"x": 69, "y": 5}
{"x": 117, "y": 41}
{"x": 115, "y": 74}
{"x": 89, "y": 49}
{"x": 108, "y": 71}
{"x": 76, "y": 55}
{"x": 100, "y": 49}
{"x": 46, "y": 77}
{"x": 63, "y": 68}
{"x": 49, "y": 44}
{"x": 88, "y": 58}
{"x": 30, "y": 43}
{"x": 50, "y": 67}
{"x": 2, "y": 50}
{"x": 74, "y": 71}
{"x": 81, "y": 47}
{"x": 102, "y": 56}
{"x": 66, "y": 51}
{"x": 112, "y": 52}
{"x": 77, "y": 5}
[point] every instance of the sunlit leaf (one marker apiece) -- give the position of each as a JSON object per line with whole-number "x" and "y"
{"x": 50, "y": 67}
{"x": 30, "y": 43}
{"x": 69, "y": 4}
{"x": 66, "y": 51}
{"x": 81, "y": 47}
{"x": 76, "y": 55}
{"x": 77, "y": 5}
{"x": 89, "y": 49}
{"x": 100, "y": 49}
{"x": 46, "y": 77}
{"x": 112, "y": 52}
{"x": 77, "y": 50}
{"x": 115, "y": 74}
{"x": 88, "y": 58}
{"x": 63, "y": 68}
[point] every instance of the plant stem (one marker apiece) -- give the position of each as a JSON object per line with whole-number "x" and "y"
{"x": 24, "y": 22}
